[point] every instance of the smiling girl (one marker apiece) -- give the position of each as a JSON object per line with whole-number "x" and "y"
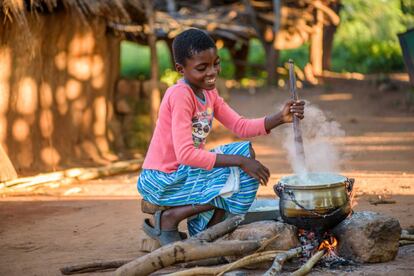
{"x": 177, "y": 172}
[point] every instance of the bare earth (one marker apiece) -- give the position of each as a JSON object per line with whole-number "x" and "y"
{"x": 49, "y": 227}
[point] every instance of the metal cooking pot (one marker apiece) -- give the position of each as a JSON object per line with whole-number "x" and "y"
{"x": 316, "y": 201}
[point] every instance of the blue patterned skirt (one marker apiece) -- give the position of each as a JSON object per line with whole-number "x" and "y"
{"x": 228, "y": 188}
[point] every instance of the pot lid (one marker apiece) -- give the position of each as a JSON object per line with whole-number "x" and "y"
{"x": 313, "y": 179}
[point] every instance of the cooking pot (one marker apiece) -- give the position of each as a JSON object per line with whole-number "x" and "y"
{"x": 315, "y": 201}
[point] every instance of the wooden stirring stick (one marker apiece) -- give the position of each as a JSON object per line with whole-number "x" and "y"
{"x": 300, "y": 152}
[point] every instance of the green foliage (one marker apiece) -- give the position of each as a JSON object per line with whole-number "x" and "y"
{"x": 135, "y": 59}
{"x": 256, "y": 52}
{"x": 299, "y": 55}
{"x": 170, "y": 77}
{"x": 366, "y": 40}
{"x": 227, "y": 66}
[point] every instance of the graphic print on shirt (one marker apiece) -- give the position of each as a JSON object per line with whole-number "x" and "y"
{"x": 201, "y": 123}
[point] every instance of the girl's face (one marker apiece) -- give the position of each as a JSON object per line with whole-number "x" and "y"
{"x": 201, "y": 70}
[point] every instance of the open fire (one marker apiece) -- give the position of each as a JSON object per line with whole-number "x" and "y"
{"x": 329, "y": 245}
{"x": 312, "y": 243}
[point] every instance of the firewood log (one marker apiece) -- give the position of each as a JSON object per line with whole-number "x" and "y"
{"x": 277, "y": 265}
{"x": 195, "y": 248}
{"x": 306, "y": 268}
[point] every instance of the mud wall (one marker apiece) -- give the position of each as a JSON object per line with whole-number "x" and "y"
{"x": 57, "y": 83}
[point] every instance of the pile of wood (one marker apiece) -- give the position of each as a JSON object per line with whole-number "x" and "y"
{"x": 263, "y": 246}
{"x": 202, "y": 249}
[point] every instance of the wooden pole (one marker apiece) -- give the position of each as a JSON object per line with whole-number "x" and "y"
{"x": 300, "y": 152}
{"x": 7, "y": 171}
{"x": 155, "y": 97}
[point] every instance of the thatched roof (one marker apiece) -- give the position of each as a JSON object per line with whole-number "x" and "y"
{"x": 224, "y": 19}
{"x": 239, "y": 20}
{"x": 114, "y": 10}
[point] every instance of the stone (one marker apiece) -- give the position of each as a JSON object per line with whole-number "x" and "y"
{"x": 368, "y": 237}
{"x": 266, "y": 229}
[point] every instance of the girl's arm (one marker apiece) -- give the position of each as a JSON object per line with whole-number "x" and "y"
{"x": 242, "y": 127}
{"x": 251, "y": 166}
{"x": 246, "y": 128}
{"x": 285, "y": 115}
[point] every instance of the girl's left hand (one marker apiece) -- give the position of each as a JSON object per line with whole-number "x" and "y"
{"x": 292, "y": 108}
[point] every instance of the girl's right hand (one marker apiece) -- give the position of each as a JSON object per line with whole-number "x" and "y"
{"x": 256, "y": 170}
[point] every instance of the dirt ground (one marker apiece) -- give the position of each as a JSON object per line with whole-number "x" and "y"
{"x": 49, "y": 227}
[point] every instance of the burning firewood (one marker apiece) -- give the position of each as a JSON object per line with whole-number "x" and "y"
{"x": 306, "y": 268}
{"x": 280, "y": 259}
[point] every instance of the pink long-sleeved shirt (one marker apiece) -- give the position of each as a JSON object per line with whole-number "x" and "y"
{"x": 184, "y": 122}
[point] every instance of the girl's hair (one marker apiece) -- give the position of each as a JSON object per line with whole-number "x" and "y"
{"x": 189, "y": 43}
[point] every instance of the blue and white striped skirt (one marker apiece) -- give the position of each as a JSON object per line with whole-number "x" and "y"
{"x": 228, "y": 188}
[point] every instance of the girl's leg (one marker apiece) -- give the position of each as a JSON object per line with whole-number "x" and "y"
{"x": 217, "y": 217}
{"x": 170, "y": 218}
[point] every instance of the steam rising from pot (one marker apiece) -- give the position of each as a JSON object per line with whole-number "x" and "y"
{"x": 321, "y": 155}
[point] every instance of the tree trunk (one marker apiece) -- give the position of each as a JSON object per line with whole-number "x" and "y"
{"x": 316, "y": 49}
{"x": 152, "y": 40}
{"x": 271, "y": 63}
{"x": 328, "y": 38}
{"x": 239, "y": 56}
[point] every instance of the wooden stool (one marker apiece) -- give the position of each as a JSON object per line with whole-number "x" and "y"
{"x": 147, "y": 244}
{"x": 149, "y": 208}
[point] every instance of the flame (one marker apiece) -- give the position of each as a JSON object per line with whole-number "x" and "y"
{"x": 329, "y": 245}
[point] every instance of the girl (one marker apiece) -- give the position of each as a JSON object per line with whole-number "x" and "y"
{"x": 201, "y": 185}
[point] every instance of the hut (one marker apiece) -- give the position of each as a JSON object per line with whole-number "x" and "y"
{"x": 59, "y": 65}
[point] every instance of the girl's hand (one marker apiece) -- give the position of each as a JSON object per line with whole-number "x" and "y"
{"x": 256, "y": 170}
{"x": 292, "y": 108}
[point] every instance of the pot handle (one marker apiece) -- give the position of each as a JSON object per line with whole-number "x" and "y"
{"x": 349, "y": 184}
{"x": 278, "y": 188}
{"x": 293, "y": 198}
